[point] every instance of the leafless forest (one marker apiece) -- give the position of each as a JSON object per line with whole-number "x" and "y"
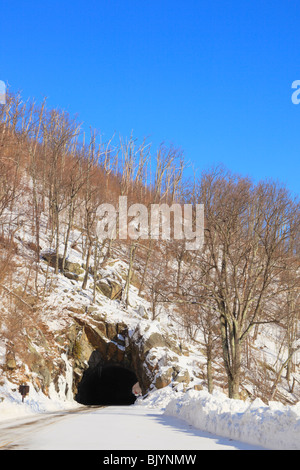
{"x": 243, "y": 281}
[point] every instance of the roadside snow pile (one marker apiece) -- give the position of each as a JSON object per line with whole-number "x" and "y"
{"x": 272, "y": 426}
{"x": 159, "y": 398}
{"x": 11, "y": 406}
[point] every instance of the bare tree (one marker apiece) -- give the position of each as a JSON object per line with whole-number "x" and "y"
{"x": 59, "y": 131}
{"x": 93, "y": 197}
{"x": 247, "y": 229}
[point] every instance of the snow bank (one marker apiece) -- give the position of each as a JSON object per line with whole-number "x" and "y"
{"x": 158, "y": 398}
{"x": 11, "y": 406}
{"x": 274, "y": 427}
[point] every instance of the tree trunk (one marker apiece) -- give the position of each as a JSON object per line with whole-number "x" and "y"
{"x": 57, "y": 243}
{"x": 231, "y": 356}
{"x": 129, "y": 275}
{"x": 70, "y": 223}
{"x": 87, "y": 265}
{"x": 209, "y": 368}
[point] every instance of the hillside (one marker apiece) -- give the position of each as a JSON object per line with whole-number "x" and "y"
{"x": 71, "y": 303}
{"x": 58, "y": 353}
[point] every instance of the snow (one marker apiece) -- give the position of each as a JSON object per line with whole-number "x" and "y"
{"x": 164, "y": 419}
{"x": 273, "y": 426}
{"x": 35, "y": 403}
{"x": 133, "y": 427}
{"x": 125, "y": 428}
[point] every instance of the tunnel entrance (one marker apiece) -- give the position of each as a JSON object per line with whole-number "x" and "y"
{"x": 109, "y": 384}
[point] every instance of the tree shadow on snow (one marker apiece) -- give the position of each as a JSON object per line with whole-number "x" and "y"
{"x": 183, "y": 426}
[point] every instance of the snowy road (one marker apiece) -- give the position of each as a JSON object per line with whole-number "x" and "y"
{"x": 110, "y": 428}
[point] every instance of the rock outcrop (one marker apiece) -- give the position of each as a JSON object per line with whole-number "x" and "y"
{"x": 91, "y": 339}
{"x": 152, "y": 355}
{"x": 88, "y": 336}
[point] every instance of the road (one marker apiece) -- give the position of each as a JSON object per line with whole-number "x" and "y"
{"x": 110, "y": 428}
{"x": 14, "y": 432}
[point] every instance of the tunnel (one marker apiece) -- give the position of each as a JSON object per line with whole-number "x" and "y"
{"x": 109, "y": 384}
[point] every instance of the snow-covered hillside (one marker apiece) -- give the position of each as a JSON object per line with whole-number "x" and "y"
{"x": 50, "y": 324}
{"x": 271, "y": 426}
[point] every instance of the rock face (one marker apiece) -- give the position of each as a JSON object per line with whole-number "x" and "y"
{"x": 154, "y": 357}
{"x": 10, "y": 362}
{"x": 150, "y": 353}
{"x": 91, "y": 340}
{"x": 70, "y": 267}
{"x": 109, "y": 288}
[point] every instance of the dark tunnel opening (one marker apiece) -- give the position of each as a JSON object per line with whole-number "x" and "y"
{"x": 107, "y": 385}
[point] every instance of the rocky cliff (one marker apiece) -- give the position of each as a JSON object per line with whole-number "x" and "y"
{"x": 74, "y": 335}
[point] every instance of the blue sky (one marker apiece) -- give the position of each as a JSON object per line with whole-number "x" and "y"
{"x": 211, "y": 77}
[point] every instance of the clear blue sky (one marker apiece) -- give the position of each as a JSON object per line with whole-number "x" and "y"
{"x": 212, "y": 77}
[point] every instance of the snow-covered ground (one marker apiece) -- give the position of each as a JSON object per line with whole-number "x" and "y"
{"x": 163, "y": 420}
{"x": 121, "y": 428}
